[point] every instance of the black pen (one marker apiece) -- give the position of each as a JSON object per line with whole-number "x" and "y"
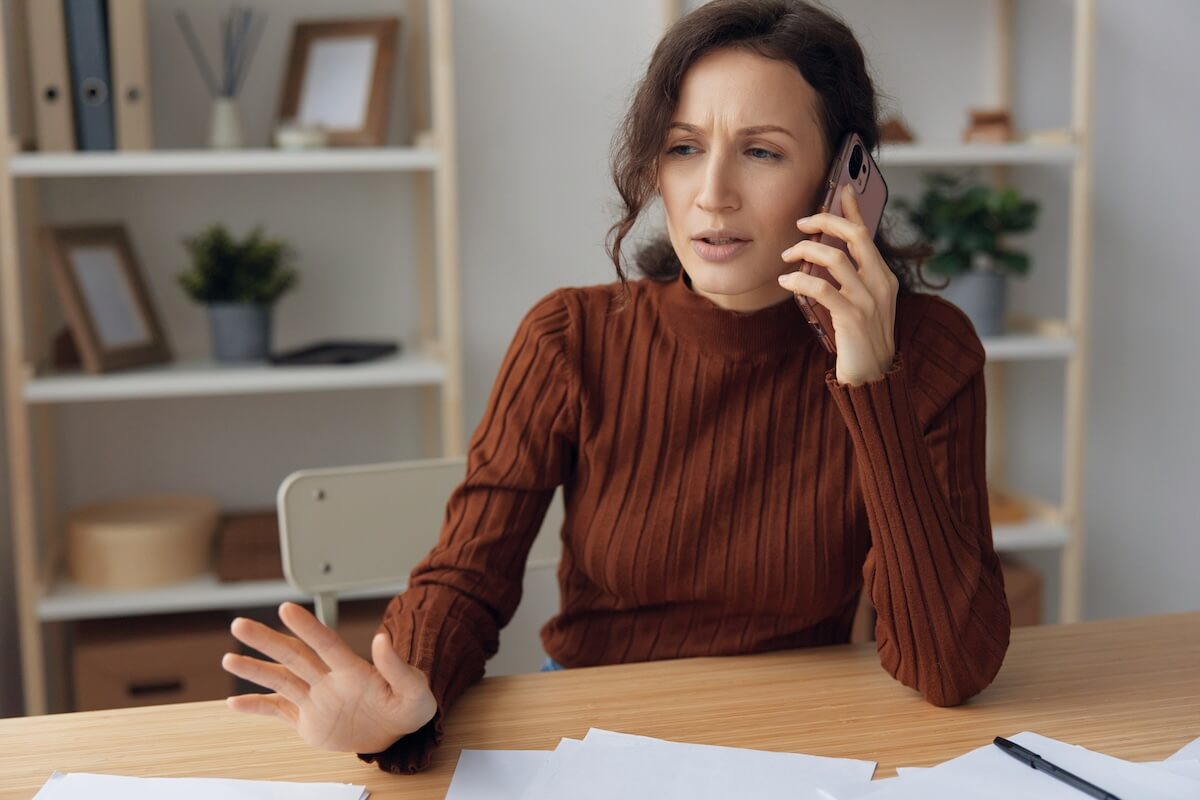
{"x": 1033, "y": 760}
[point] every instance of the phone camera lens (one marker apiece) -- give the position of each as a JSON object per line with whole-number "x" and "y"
{"x": 856, "y": 161}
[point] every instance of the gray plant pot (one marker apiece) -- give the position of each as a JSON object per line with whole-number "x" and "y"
{"x": 982, "y": 294}
{"x": 240, "y": 331}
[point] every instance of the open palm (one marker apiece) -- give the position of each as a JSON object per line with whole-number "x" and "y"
{"x": 334, "y": 699}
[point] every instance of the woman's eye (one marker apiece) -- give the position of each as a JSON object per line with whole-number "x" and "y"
{"x": 769, "y": 154}
{"x": 758, "y": 153}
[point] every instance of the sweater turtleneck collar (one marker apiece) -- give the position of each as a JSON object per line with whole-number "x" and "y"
{"x": 769, "y": 332}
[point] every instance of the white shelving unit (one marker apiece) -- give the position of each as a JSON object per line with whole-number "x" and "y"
{"x": 34, "y": 392}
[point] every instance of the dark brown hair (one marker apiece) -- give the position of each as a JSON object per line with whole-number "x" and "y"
{"x": 805, "y": 34}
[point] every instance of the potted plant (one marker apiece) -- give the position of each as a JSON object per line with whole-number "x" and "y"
{"x": 965, "y": 223}
{"x": 239, "y": 282}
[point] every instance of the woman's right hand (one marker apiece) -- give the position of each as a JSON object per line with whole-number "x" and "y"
{"x": 334, "y": 699}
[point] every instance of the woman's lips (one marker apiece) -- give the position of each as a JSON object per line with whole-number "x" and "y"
{"x": 719, "y": 252}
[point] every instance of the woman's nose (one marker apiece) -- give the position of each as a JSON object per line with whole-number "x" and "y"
{"x": 718, "y": 192}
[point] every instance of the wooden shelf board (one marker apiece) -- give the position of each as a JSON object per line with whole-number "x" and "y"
{"x": 69, "y": 601}
{"x": 1049, "y": 339}
{"x": 206, "y": 378}
{"x": 948, "y": 155}
{"x": 222, "y": 162}
{"x": 1029, "y": 536}
{"x": 66, "y": 600}
{"x": 1043, "y": 530}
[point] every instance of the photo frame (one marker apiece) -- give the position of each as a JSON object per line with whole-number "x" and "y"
{"x": 339, "y": 77}
{"x": 111, "y": 317}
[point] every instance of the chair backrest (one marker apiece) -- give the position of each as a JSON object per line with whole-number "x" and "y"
{"x": 347, "y": 528}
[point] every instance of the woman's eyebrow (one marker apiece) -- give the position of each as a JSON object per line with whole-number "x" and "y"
{"x": 751, "y": 131}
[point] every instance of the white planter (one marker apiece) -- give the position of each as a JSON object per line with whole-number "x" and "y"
{"x": 225, "y": 127}
{"x": 982, "y": 294}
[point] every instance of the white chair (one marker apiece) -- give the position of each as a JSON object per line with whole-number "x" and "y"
{"x": 348, "y": 529}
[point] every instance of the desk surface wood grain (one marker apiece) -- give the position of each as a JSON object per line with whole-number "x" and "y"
{"x": 1128, "y": 687}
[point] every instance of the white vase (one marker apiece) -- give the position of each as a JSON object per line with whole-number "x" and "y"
{"x": 225, "y": 129}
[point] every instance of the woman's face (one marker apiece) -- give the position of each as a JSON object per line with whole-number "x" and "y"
{"x": 715, "y": 174}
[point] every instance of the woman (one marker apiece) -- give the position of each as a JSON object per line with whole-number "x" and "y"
{"x": 730, "y": 487}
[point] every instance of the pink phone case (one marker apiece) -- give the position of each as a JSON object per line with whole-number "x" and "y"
{"x": 872, "y": 194}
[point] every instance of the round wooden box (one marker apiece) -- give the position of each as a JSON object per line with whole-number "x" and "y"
{"x": 139, "y": 542}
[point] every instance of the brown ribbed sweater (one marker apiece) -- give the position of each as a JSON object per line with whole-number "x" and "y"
{"x": 724, "y": 494}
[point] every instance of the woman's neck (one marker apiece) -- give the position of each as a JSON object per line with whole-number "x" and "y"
{"x": 765, "y": 296}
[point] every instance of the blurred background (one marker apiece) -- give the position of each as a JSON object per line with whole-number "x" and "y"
{"x": 403, "y": 179}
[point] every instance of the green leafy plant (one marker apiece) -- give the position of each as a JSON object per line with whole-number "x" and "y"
{"x": 253, "y": 270}
{"x": 960, "y": 218}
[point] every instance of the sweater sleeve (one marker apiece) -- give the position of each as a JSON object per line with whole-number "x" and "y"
{"x": 447, "y": 622}
{"x": 932, "y": 572}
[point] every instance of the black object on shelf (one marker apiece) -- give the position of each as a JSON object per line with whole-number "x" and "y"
{"x": 335, "y": 352}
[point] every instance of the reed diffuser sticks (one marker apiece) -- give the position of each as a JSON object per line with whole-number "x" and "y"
{"x": 240, "y": 31}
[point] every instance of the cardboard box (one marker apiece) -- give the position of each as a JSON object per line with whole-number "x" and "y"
{"x": 248, "y": 547}
{"x": 358, "y": 622}
{"x": 1023, "y": 587}
{"x": 141, "y": 661}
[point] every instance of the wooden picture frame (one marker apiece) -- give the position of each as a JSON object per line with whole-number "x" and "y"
{"x": 339, "y": 76}
{"x": 112, "y": 320}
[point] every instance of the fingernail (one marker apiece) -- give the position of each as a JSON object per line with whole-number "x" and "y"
{"x": 803, "y": 220}
{"x": 783, "y": 278}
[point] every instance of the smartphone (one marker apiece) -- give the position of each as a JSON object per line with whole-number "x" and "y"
{"x": 852, "y": 166}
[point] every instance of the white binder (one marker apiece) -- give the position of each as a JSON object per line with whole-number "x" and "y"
{"x": 50, "y": 75}
{"x": 129, "y": 49}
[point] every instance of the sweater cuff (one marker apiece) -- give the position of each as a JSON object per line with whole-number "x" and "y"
{"x": 442, "y": 659}
{"x": 879, "y": 414}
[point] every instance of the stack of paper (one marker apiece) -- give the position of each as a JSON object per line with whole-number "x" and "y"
{"x": 78, "y": 785}
{"x": 988, "y": 773}
{"x": 605, "y": 765}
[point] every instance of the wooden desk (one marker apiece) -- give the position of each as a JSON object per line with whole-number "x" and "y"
{"x": 1130, "y": 688}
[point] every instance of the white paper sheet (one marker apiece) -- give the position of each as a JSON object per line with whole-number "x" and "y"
{"x": 495, "y": 774}
{"x": 81, "y": 785}
{"x": 1189, "y": 752}
{"x": 853, "y": 769}
{"x": 989, "y": 774}
{"x": 1180, "y": 767}
{"x": 608, "y": 764}
{"x": 539, "y": 785}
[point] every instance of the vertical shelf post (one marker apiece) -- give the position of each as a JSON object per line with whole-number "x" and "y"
{"x": 17, "y": 368}
{"x": 1078, "y": 310}
{"x": 446, "y": 223}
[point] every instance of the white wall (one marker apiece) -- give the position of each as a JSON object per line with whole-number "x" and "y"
{"x": 540, "y": 88}
{"x": 1144, "y": 455}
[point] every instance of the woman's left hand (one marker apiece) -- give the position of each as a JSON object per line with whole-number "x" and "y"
{"x": 864, "y": 308}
